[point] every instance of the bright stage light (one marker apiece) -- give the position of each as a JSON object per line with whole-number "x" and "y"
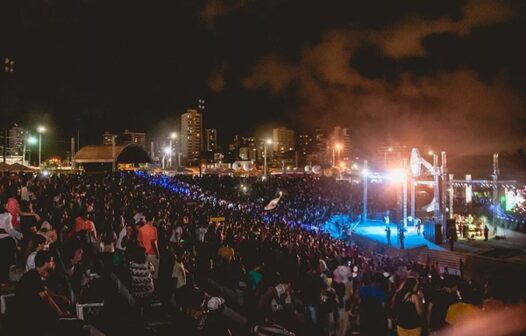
{"x": 366, "y": 172}
{"x": 167, "y": 150}
{"x": 397, "y": 175}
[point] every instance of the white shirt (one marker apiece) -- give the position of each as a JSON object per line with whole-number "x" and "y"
{"x": 24, "y": 194}
{"x": 122, "y": 234}
{"x": 201, "y": 232}
{"x": 7, "y": 226}
{"x": 30, "y": 263}
{"x": 179, "y": 273}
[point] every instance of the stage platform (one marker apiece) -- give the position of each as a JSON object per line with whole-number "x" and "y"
{"x": 375, "y": 230}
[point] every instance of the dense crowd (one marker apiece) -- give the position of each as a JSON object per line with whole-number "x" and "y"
{"x": 218, "y": 263}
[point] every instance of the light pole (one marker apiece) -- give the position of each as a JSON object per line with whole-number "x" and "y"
{"x": 173, "y": 136}
{"x": 167, "y": 151}
{"x": 40, "y": 130}
{"x": 29, "y": 140}
{"x": 267, "y": 142}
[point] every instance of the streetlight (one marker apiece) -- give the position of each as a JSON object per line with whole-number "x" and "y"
{"x": 267, "y": 142}
{"x": 40, "y": 130}
{"x": 30, "y": 140}
{"x": 173, "y": 136}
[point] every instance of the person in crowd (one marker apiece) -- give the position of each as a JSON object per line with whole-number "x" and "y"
{"x": 125, "y": 233}
{"x": 373, "y": 320}
{"x": 467, "y": 307}
{"x": 409, "y": 308}
{"x": 8, "y": 240}
{"x": 108, "y": 239}
{"x": 179, "y": 274}
{"x": 35, "y": 310}
{"x": 226, "y": 252}
{"x": 147, "y": 238}
{"x": 13, "y": 207}
{"x": 401, "y": 237}
{"x": 440, "y": 301}
{"x": 38, "y": 243}
{"x": 213, "y": 323}
{"x": 332, "y": 281}
{"x": 141, "y": 273}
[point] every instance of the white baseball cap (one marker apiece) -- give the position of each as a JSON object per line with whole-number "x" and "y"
{"x": 214, "y": 303}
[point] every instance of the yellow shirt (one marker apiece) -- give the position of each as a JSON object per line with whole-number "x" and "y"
{"x": 460, "y": 311}
{"x": 226, "y": 252}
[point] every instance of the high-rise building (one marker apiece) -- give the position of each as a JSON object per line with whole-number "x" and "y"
{"x": 191, "y": 134}
{"x": 341, "y": 136}
{"x": 282, "y": 140}
{"x": 16, "y": 139}
{"x": 211, "y": 139}
{"x": 306, "y": 146}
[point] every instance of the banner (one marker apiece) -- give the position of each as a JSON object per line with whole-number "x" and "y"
{"x": 272, "y": 204}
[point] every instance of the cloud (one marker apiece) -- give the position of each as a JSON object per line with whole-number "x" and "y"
{"x": 405, "y": 39}
{"x": 273, "y": 74}
{"x": 450, "y": 110}
{"x": 216, "y": 82}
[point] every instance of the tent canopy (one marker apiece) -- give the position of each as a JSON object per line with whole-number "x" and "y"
{"x": 104, "y": 154}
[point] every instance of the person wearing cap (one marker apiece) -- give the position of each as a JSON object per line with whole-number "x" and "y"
{"x": 213, "y": 322}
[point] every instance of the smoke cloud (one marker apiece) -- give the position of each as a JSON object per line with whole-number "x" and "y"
{"x": 452, "y": 110}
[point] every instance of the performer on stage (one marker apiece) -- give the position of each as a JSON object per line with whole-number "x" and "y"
{"x": 418, "y": 224}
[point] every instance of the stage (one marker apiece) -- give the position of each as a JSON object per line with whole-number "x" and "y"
{"x": 375, "y": 230}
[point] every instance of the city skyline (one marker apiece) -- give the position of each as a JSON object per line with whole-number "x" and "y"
{"x": 412, "y": 73}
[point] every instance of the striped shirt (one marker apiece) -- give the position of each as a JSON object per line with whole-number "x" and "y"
{"x": 141, "y": 279}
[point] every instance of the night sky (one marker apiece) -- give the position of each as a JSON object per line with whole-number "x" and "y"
{"x": 447, "y": 73}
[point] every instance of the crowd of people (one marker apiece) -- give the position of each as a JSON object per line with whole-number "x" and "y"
{"x": 218, "y": 263}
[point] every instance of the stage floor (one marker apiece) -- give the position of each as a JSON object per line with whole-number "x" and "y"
{"x": 376, "y": 230}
